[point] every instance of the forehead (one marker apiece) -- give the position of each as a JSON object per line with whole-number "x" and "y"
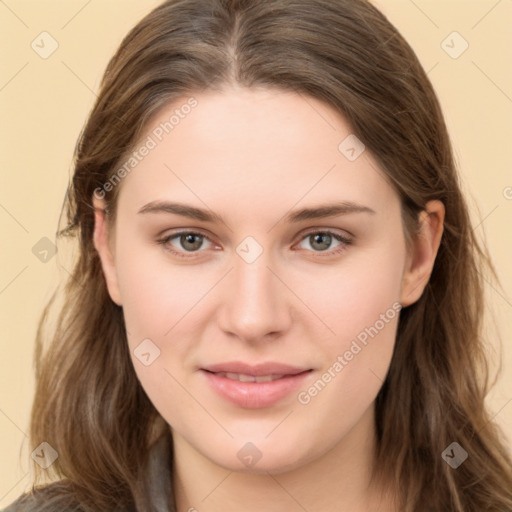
{"x": 253, "y": 147}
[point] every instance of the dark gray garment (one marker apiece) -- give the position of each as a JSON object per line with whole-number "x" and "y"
{"x": 157, "y": 480}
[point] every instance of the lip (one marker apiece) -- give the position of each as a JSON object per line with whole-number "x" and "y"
{"x": 269, "y": 368}
{"x": 254, "y": 395}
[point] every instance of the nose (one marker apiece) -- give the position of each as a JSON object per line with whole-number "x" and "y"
{"x": 256, "y": 305}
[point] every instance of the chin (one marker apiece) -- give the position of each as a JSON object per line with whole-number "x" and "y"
{"x": 261, "y": 457}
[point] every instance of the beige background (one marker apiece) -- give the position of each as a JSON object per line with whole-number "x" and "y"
{"x": 44, "y": 103}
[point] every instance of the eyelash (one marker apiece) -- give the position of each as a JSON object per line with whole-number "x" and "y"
{"x": 341, "y": 248}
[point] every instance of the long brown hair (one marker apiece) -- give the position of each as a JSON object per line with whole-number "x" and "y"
{"x": 89, "y": 405}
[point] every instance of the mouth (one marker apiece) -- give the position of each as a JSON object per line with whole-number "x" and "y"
{"x": 242, "y": 377}
{"x": 255, "y": 386}
{"x": 267, "y": 369}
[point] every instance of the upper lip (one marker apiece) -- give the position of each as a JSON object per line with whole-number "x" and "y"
{"x": 269, "y": 368}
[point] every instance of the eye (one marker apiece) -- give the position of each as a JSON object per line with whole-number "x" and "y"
{"x": 320, "y": 241}
{"x": 188, "y": 241}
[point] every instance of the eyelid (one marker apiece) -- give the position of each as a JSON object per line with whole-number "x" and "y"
{"x": 343, "y": 233}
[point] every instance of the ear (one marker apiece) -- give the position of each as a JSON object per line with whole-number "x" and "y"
{"x": 423, "y": 252}
{"x": 102, "y": 243}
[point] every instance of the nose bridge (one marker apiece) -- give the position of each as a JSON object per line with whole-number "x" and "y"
{"x": 254, "y": 305}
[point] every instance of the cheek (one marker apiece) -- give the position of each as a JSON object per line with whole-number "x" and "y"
{"x": 360, "y": 303}
{"x": 354, "y": 295}
{"x": 155, "y": 293}
{"x": 156, "y": 298}
{"x": 363, "y": 310}
{"x": 159, "y": 301}
{"x": 350, "y": 381}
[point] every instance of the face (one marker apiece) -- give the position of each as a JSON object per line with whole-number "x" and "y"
{"x": 258, "y": 328}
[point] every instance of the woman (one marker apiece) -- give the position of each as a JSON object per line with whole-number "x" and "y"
{"x": 277, "y": 301}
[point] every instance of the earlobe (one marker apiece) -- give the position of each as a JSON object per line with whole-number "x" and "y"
{"x": 102, "y": 244}
{"x": 423, "y": 252}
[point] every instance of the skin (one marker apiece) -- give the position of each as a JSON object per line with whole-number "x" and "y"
{"x": 253, "y": 156}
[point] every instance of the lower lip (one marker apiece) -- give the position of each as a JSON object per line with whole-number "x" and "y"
{"x": 255, "y": 395}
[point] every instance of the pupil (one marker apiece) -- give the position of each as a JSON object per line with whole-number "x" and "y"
{"x": 190, "y": 239}
{"x": 320, "y": 237}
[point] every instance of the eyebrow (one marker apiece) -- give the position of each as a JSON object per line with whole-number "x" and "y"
{"x": 315, "y": 212}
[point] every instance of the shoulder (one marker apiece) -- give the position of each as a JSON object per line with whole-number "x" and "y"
{"x": 61, "y": 496}
{"x": 54, "y": 497}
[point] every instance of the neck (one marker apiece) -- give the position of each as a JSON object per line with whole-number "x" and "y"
{"x": 337, "y": 481}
